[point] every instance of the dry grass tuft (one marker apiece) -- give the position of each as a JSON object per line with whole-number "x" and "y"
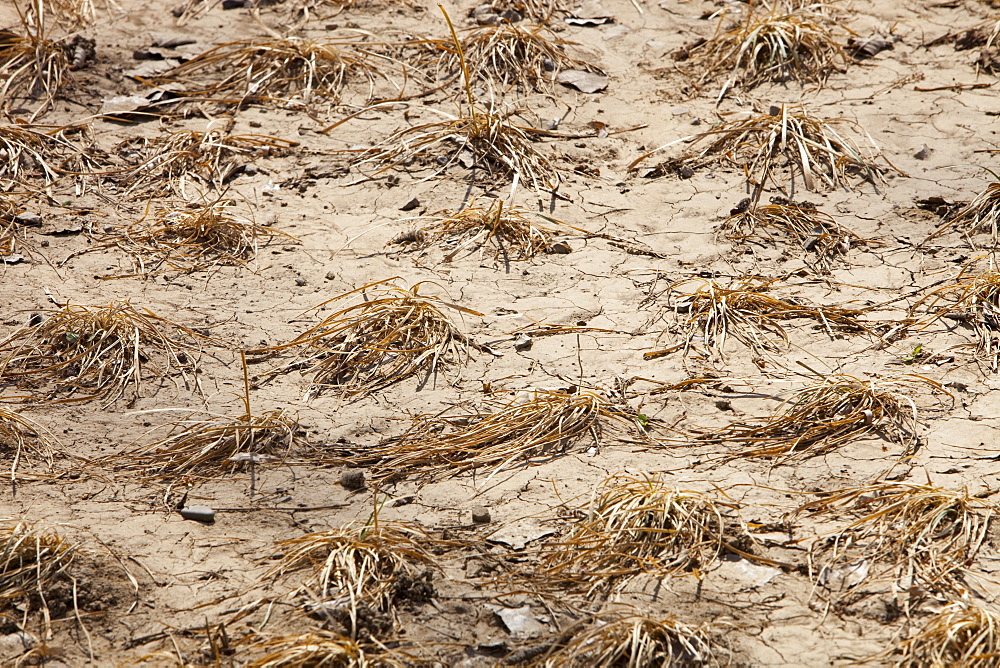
{"x": 636, "y": 525}
{"x": 543, "y": 425}
{"x": 29, "y": 150}
{"x": 925, "y": 535}
{"x": 218, "y": 445}
{"x": 357, "y": 574}
{"x": 980, "y": 215}
{"x": 22, "y": 440}
{"x": 974, "y": 300}
{"x": 820, "y": 151}
{"x": 770, "y": 44}
{"x": 630, "y": 641}
{"x": 281, "y": 69}
{"x": 318, "y": 649}
{"x": 94, "y": 350}
{"x": 211, "y": 158}
{"x": 31, "y": 559}
{"x": 511, "y": 55}
{"x": 819, "y": 418}
{"x": 509, "y": 230}
{"x": 743, "y": 310}
{"x": 960, "y": 634}
{"x": 395, "y": 333}
{"x": 198, "y": 236}
{"x": 486, "y": 139}
{"x": 801, "y": 222}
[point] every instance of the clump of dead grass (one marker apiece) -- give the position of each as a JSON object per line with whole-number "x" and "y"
{"x": 512, "y": 55}
{"x": 94, "y": 351}
{"x": 394, "y": 333}
{"x": 712, "y": 313}
{"x": 199, "y": 235}
{"x": 636, "y": 525}
{"x": 32, "y": 558}
{"x": 357, "y": 570}
{"x": 543, "y": 424}
{"x": 28, "y": 149}
{"x": 217, "y": 445}
{"x": 823, "y": 416}
{"x": 620, "y": 640}
{"x": 959, "y": 634}
{"x": 973, "y": 299}
{"x": 319, "y": 649}
{"x": 980, "y": 215}
{"x": 802, "y": 222}
{"x": 210, "y": 158}
{"x": 768, "y": 44}
{"x": 282, "y": 69}
{"x": 509, "y": 230}
{"x": 924, "y": 535}
{"x": 820, "y": 151}
{"x": 484, "y": 139}
{"x": 22, "y": 440}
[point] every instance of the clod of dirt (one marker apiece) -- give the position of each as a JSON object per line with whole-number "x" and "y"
{"x": 924, "y": 152}
{"x": 410, "y": 205}
{"x": 559, "y": 248}
{"x": 583, "y": 81}
{"x": 480, "y": 515}
{"x": 353, "y": 480}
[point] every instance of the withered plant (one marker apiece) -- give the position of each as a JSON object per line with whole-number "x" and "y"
{"x": 357, "y": 570}
{"x": 633, "y": 526}
{"x": 544, "y": 426}
{"x": 973, "y": 299}
{"x": 960, "y": 634}
{"x": 197, "y": 235}
{"x": 24, "y": 441}
{"x": 822, "y": 152}
{"x": 512, "y": 55}
{"x": 317, "y": 649}
{"x": 510, "y": 231}
{"x": 32, "y": 66}
{"x": 31, "y": 560}
{"x": 161, "y": 165}
{"x": 282, "y": 68}
{"x": 916, "y": 534}
{"x": 801, "y": 222}
{"x": 485, "y": 139}
{"x": 745, "y": 311}
{"x": 620, "y": 640}
{"x": 217, "y": 445}
{"x": 92, "y": 351}
{"x": 394, "y": 333}
{"x": 29, "y": 151}
{"x": 768, "y": 44}
{"x": 826, "y": 415}
{"x": 981, "y": 215}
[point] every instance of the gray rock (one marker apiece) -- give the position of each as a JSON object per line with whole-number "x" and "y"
{"x": 28, "y": 218}
{"x": 202, "y": 514}
{"x": 480, "y": 515}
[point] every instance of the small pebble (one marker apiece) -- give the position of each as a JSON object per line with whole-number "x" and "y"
{"x": 559, "y": 248}
{"x": 480, "y": 515}
{"x": 352, "y": 479}
{"x": 410, "y": 205}
{"x": 924, "y": 152}
{"x": 300, "y": 282}
{"x": 330, "y": 275}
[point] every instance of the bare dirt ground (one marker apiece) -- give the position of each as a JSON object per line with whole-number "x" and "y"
{"x": 782, "y": 576}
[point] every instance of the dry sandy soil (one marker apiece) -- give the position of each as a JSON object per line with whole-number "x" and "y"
{"x": 154, "y": 588}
